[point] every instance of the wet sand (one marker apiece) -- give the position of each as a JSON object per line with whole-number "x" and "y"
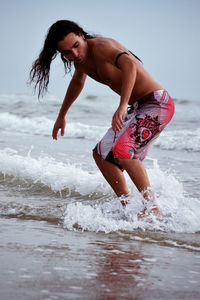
{"x": 44, "y": 261}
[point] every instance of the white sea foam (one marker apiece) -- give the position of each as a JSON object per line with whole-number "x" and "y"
{"x": 111, "y": 217}
{"x": 43, "y": 126}
{"x": 38, "y": 125}
{"x": 179, "y": 139}
{"x": 169, "y": 140}
{"x": 51, "y": 173}
{"x": 180, "y": 213}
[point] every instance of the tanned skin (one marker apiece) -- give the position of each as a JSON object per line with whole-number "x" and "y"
{"x": 96, "y": 58}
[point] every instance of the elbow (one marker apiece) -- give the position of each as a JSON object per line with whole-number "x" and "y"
{"x": 78, "y": 83}
{"x": 128, "y": 63}
{"x": 129, "y": 68}
{"x": 131, "y": 65}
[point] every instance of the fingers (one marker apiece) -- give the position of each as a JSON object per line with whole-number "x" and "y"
{"x": 117, "y": 122}
{"x": 62, "y": 131}
{"x": 55, "y": 133}
{"x": 59, "y": 124}
{"x": 116, "y": 127}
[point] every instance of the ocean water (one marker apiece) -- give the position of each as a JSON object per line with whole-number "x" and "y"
{"x": 64, "y": 234}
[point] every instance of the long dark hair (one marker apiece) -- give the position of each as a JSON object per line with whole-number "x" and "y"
{"x": 39, "y": 73}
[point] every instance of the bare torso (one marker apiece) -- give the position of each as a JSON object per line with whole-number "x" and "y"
{"x": 107, "y": 73}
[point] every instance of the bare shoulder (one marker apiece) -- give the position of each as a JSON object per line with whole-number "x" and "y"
{"x": 100, "y": 43}
{"x": 105, "y": 48}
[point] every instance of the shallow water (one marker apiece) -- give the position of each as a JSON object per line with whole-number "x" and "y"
{"x": 64, "y": 234}
{"x": 38, "y": 261}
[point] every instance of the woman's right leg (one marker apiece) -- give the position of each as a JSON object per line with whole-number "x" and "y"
{"x": 113, "y": 175}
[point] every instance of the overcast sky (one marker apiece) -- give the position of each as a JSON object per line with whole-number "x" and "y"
{"x": 163, "y": 33}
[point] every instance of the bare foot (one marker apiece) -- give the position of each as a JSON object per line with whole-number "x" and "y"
{"x": 125, "y": 202}
{"x": 154, "y": 211}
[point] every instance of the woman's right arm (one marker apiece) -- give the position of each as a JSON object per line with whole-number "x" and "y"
{"x": 75, "y": 87}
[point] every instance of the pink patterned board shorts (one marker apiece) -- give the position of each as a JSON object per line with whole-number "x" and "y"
{"x": 143, "y": 122}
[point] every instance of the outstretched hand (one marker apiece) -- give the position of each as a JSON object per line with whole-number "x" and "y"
{"x": 117, "y": 120}
{"x": 59, "y": 124}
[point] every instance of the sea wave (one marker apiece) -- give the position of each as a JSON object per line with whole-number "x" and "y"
{"x": 101, "y": 218}
{"x": 180, "y": 213}
{"x": 90, "y": 203}
{"x": 43, "y": 126}
{"x": 180, "y": 140}
{"x": 178, "y": 216}
{"x": 47, "y": 171}
{"x": 186, "y": 139}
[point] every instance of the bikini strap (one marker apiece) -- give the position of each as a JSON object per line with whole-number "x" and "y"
{"x": 116, "y": 60}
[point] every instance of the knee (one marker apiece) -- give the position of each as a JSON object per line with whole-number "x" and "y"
{"x": 96, "y": 156}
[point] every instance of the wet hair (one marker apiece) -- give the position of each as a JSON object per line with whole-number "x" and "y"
{"x": 40, "y": 70}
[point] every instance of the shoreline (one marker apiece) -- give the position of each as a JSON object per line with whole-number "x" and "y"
{"x": 44, "y": 261}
